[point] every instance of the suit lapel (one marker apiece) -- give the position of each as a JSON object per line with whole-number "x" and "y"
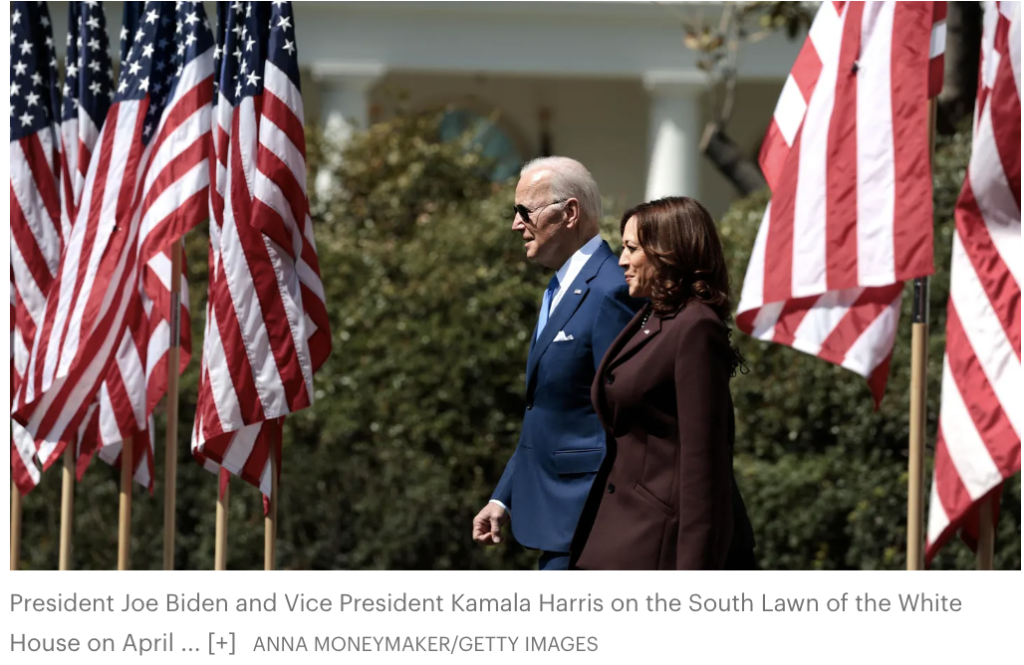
{"x": 640, "y": 337}
{"x": 567, "y": 306}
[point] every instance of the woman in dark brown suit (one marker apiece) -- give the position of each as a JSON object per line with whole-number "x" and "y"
{"x": 666, "y": 497}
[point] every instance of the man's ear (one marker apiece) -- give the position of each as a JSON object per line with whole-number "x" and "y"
{"x": 572, "y": 213}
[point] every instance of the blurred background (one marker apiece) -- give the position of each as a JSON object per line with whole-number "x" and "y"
{"x": 419, "y": 117}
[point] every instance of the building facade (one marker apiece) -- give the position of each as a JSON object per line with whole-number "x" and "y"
{"x": 608, "y": 83}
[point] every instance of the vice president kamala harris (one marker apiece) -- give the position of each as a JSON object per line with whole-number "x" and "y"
{"x": 665, "y": 497}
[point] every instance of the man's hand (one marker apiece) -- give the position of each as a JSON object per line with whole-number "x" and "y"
{"x": 487, "y": 524}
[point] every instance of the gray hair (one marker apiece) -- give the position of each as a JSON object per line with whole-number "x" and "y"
{"x": 570, "y": 179}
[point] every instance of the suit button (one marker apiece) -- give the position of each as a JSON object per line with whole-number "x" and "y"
{"x": 529, "y": 406}
{"x": 609, "y": 379}
{"x": 611, "y": 488}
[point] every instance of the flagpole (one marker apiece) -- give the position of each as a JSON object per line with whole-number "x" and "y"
{"x": 220, "y": 555}
{"x": 67, "y": 505}
{"x": 918, "y": 400}
{"x": 171, "y": 456}
{"x": 15, "y": 526}
{"x": 124, "y": 525}
{"x": 270, "y": 520}
{"x": 986, "y": 535}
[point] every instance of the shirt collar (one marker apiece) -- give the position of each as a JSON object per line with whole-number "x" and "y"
{"x": 575, "y": 264}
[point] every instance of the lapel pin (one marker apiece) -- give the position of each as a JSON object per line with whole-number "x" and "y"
{"x": 647, "y": 332}
{"x": 578, "y": 291}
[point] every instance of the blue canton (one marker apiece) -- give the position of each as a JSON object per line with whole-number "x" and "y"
{"x": 35, "y": 104}
{"x": 89, "y": 78}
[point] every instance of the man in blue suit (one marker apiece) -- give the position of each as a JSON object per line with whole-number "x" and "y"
{"x": 547, "y": 480}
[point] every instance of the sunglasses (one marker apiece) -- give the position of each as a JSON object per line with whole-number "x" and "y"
{"x": 524, "y": 212}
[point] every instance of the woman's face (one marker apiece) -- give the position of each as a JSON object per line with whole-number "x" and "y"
{"x": 639, "y": 271}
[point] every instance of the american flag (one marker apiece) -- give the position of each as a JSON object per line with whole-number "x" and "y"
{"x": 266, "y": 326}
{"x": 147, "y": 184}
{"x": 88, "y": 93}
{"x": 848, "y": 162}
{"x": 137, "y": 379}
{"x": 36, "y": 232}
{"x": 980, "y": 418}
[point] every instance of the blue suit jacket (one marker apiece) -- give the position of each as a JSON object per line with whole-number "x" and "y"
{"x": 547, "y": 480}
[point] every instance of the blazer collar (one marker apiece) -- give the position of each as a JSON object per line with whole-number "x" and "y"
{"x": 573, "y": 297}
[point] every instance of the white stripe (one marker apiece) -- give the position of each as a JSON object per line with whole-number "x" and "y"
{"x": 189, "y": 184}
{"x": 28, "y": 290}
{"x": 973, "y": 463}
{"x": 1014, "y": 43}
{"x": 937, "y": 44}
{"x": 37, "y": 217}
{"x": 109, "y": 434}
{"x": 985, "y": 332}
{"x": 242, "y": 443}
{"x": 177, "y": 142}
{"x": 937, "y": 518}
{"x": 790, "y": 110}
{"x": 291, "y": 300}
{"x": 276, "y": 141}
{"x": 875, "y": 342}
{"x": 160, "y": 266}
{"x": 26, "y": 449}
{"x": 876, "y": 168}
{"x": 764, "y": 322}
{"x": 157, "y": 344}
{"x": 222, "y": 388}
{"x": 128, "y": 363}
{"x": 822, "y": 319}
{"x": 278, "y": 84}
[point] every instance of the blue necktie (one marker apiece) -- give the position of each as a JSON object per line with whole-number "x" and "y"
{"x": 545, "y": 305}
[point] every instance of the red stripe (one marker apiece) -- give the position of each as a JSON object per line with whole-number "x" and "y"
{"x": 997, "y": 281}
{"x": 912, "y": 210}
{"x": 84, "y": 158}
{"x": 235, "y": 358}
{"x": 861, "y": 314}
{"x": 22, "y": 236}
{"x": 278, "y": 112}
{"x": 987, "y": 413}
{"x": 778, "y": 276}
{"x": 1005, "y": 109}
{"x": 841, "y": 162}
{"x": 320, "y": 341}
{"x": 773, "y": 154}
{"x": 262, "y": 271}
{"x": 951, "y": 492}
{"x": 256, "y": 462}
{"x": 121, "y": 401}
{"x": 45, "y": 179}
{"x": 806, "y": 69}
{"x": 169, "y": 229}
{"x": 793, "y": 312}
{"x": 20, "y": 474}
{"x": 88, "y": 443}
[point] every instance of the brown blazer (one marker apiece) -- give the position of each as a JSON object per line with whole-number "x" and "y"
{"x": 665, "y": 497}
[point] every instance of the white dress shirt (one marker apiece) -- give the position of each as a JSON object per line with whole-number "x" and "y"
{"x": 566, "y": 274}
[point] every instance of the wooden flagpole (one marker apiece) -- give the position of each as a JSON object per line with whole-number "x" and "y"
{"x": 124, "y": 523}
{"x": 986, "y": 535}
{"x": 220, "y": 555}
{"x": 15, "y": 526}
{"x": 918, "y": 401}
{"x": 171, "y": 455}
{"x": 67, "y": 506}
{"x": 270, "y": 519}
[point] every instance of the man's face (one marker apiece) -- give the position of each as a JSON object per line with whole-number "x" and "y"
{"x": 538, "y": 217}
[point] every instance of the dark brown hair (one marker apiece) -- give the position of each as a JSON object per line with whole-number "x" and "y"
{"x": 680, "y": 240}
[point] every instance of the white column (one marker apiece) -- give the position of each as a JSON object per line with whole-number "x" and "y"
{"x": 674, "y": 133}
{"x": 345, "y": 104}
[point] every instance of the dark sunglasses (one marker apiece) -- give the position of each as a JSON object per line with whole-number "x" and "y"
{"x": 524, "y": 212}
